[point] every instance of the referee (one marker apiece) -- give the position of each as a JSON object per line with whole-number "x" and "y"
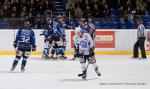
{"x": 141, "y": 36}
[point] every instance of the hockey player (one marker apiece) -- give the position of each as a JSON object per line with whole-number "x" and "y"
{"x": 85, "y": 44}
{"x": 62, "y": 45}
{"x": 24, "y": 43}
{"x": 84, "y": 25}
{"x": 59, "y": 38}
{"x": 48, "y": 32}
{"x": 92, "y": 30}
{"x": 87, "y": 27}
{"x": 55, "y": 38}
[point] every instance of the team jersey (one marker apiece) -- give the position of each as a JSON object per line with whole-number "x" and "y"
{"x": 89, "y": 28}
{"x": 48, "y": 31}
{"x": 85, "y": 28}
{"x": 60, "y": 30}
{"x": 92, "y": 30}
{"x": 25, "y": 39}
{"x": 85, "y": 43}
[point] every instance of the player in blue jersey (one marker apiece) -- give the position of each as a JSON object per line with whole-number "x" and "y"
{"x": 84, "y": 25}
{"x": 62, "y": 45}
{"x": 59, "y": 39}
{"x": 48, "y": 39}
{"x": 92, "y": 30}
{"x": 56, "y": 39}
{"x": 24, "y": 43}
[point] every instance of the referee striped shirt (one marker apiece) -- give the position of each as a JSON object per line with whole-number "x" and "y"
{"x": 141, "y": 31}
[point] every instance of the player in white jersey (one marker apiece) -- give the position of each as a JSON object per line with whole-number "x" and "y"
{"x": 85, "y": 45}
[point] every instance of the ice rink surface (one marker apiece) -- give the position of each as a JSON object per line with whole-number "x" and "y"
{"x": 118, "y": 72}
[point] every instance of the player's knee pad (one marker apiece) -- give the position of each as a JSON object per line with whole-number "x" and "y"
{"x": 92, "y": 60}
{"x": 19, "y": 53}
{"x": 82, "y": 59}
{"x": 26, "y": 54}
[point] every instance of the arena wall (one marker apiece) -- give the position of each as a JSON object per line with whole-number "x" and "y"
{"x": 113, "y": 42}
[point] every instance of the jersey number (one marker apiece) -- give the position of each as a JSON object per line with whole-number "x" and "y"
{"x": 83, "y": 44}
{"x": 24, "y": 39}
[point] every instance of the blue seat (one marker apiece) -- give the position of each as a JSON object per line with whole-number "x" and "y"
{"x": 105, "y": 25}
{"x": 146, "y": 18}
{"x": 122, "y": 25}
{"x": 147, "y": 25}
{"x": 131, "y": 25}
{"x": 113, "y": 18}
{"x": 113, "y": 12}
{"x": 97, "y": 24}
{"x": 114, "y": 25}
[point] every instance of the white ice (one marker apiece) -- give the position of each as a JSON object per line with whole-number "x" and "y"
{"x": 118, "y": 72}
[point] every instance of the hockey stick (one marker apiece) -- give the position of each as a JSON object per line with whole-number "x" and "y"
{"x": 79, "y": 75}
{"x": 15, "y": 38}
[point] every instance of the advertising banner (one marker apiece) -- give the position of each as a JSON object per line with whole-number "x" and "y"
{"x": 103, "y": 39}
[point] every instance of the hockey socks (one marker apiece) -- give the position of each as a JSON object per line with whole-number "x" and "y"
{"x": 45, "y": 53}
{"x": 14, "y": 64}
{"x": 24, "y": 61}
{"x": 96, "y": 69}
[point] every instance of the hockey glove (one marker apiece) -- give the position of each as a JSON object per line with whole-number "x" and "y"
{"x": 91, "y": 52}
{"x": 33, "y": 47}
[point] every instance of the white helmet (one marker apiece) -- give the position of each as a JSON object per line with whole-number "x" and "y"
{"x": 77, "y": 30}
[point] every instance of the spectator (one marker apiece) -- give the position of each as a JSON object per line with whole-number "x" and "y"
{"x": 69, "y": 4}
{"x": 47, "y": 5}
{"x": 96, "y": 12}
{"x": 38, "y": 7}
{"x": 39, "y": 20}
{"x": 138, "y": 11}
{"x": 106, "y": 10}
{"x": 85, "y": 3}
{"x": 128, "y": 5}
{"x": 15, "y": 4}
{"x": 78, "y": 4}
{"x": 121, "y": 13}
{"x": 71, "y": 12}
{"x": 141, "y": 6}
{"x": 87, "y": 11}
{"x": 4, "y": 24}
{"x": 5, "y": 11}
{"x": 78, "y": 12}
{"x": 129, "y": 14}
{"x": 14, "y": 12}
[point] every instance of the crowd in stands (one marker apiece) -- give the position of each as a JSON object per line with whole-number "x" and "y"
{"x": 104, "y": 12}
